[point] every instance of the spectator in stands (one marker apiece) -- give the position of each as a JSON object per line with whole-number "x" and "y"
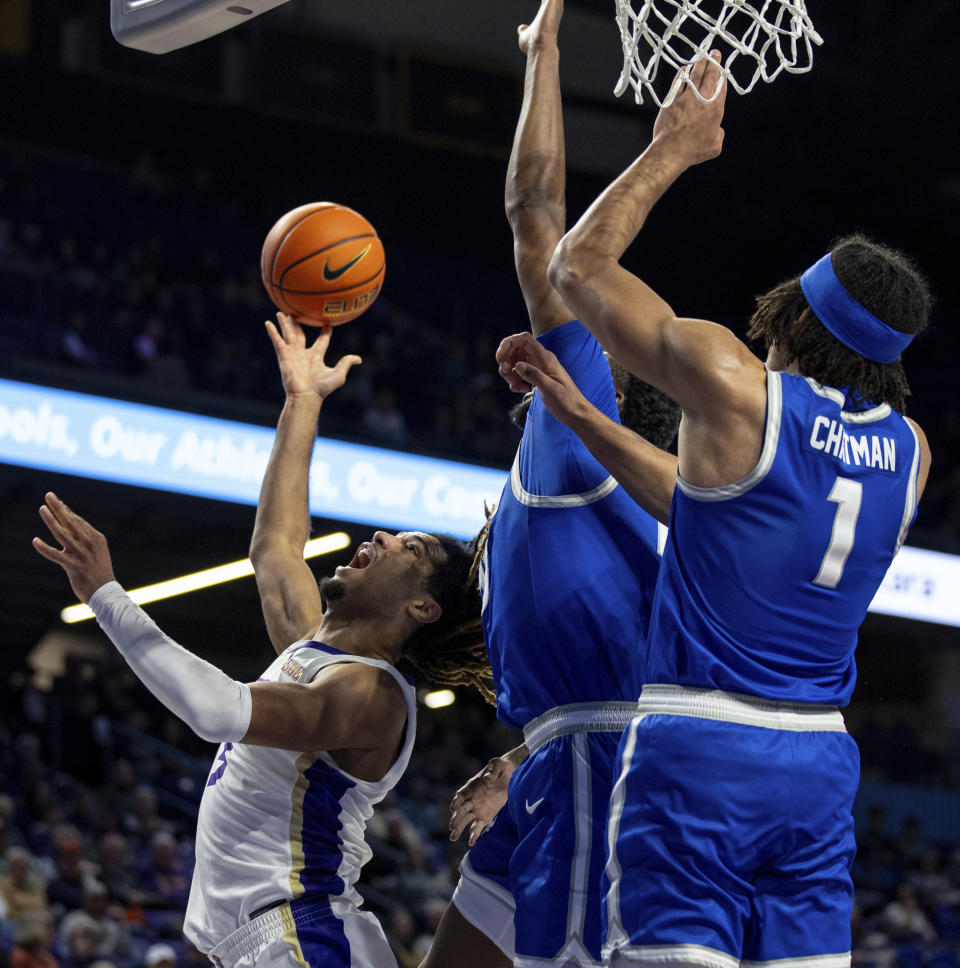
{"x": 402, "y": 934}
{"x": 66, "y": 889}
{"x": 903, "y": 919}
{"x": 160, "y": 956}
{"x": 32, "y": 947}
{"x": 166, "y": 877}
{"x": 117, "y": 870}
{"x": 23, "y": 889}
{"x": 113, "y": 936}
{"x": 80, "y": 941}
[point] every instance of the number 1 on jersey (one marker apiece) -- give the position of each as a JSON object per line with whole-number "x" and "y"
{"x": 847, "y": 495}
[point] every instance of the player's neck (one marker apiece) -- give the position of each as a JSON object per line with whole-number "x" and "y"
{"x": 370, "y": 638}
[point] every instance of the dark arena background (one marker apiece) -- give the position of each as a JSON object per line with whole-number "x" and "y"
{"x": 135, "y": 192}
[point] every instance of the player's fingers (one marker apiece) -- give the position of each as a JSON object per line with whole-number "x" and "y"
{"x": 75, "y": 528}
{"x": 321, "y": 343}
{"x": 698, "y": 70}
{"x": 711, "y": 76}
{"x": 51, "y": 554}
{"x": 476, "y": 828}
{"x": 345, "y": 364}
{"x": 54, "y": 526}
{"x": 530, "y": 373}
{"x": 285, "y": 325}
{"x": 274, "y": 334}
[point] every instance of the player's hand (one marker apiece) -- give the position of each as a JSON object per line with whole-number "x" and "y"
{"x": 690, "y": 126}
{"x": 478, "y": 801}
{"x": 524, "y": 364}
{"x": 303, "y": 369}
{"x": 84, "y": 554}
{"x": 544, "y": 28}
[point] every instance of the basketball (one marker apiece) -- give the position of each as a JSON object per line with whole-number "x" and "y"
{"x": 322, "y": 263}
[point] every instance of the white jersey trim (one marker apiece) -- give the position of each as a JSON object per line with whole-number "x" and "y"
{"x": 910, "y": 503}
{"x": 577, "y": 717}
{"x": 731, "y": 707}
{"x": 487, "y": 906}
{"x": 668, "y": 954}
{"x": 841, "y": 960}
{"x": 392, "y": 776}
{"x": 770, "y": 438}
{"x": 864, "y": 416}
{"x": 595, "y": 494}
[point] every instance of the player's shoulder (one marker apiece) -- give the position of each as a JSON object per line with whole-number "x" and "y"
{"x": 720, "y": 371}
{"x": 362, "y": 686}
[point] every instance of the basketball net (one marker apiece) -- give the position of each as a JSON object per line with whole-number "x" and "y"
{"x": 758, "y": 40}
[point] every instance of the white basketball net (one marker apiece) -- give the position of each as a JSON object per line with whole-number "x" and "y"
{"x": 758, "y": 41}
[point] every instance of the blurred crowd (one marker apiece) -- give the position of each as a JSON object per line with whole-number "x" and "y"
{"x": 98, "y": 810}
{"x": 100, "y": 790}
{"x": 153, "y": 276}
{"x": 171, "y": 297}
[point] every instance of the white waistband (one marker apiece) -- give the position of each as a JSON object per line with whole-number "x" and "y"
{"x": 578, "y": 717}
{"x": 732, "y": 707}
{"x": 249, "y": 938}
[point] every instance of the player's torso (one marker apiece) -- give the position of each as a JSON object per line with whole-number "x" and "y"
{"x": 567, "y": 580}
{"x": 277, "y": 824}
{"x": 764, "y": 583}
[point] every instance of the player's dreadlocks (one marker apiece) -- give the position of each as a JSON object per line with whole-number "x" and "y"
{"x": 645, "y": 410}
{"x": 451, "y": 651}
{"x": 883, "y": 281}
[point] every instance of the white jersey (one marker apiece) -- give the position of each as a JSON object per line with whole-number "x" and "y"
{"x": 276, "y": 824}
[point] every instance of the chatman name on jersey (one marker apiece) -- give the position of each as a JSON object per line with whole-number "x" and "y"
{"x": 876, "y": 451}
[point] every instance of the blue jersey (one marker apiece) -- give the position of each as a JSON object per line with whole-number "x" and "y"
{"x": 765, "y": 582}
{"x": 570, "y": 561}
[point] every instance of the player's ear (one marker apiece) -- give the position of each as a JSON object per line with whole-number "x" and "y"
{"x": 424, "y": 610}
{"x": 621, "y": 396}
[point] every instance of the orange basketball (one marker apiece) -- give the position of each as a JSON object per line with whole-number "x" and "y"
{"x": 322, "y": 263}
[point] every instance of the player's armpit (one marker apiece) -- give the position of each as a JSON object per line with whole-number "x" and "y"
{"x": 349, "y": 706}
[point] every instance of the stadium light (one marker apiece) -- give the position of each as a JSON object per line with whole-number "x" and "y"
{"x": 209, "y": 576}
{"x": 439, "y": 699}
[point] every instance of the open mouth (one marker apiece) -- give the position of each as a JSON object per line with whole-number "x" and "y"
{"x": 362, "y": 558}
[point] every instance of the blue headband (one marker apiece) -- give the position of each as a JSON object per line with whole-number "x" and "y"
{"x": 843, "y": 316}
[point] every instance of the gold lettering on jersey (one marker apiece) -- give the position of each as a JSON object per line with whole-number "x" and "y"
{"x": 876, "y": 451}
{"x": 293, "y": 669}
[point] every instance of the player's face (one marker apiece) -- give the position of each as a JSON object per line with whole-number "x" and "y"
{"x": 387, "y": 571}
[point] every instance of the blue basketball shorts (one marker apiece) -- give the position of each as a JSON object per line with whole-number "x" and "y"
{"x": 542, "y": 860}
{"x": 730, "y": 833}
{"x": 316, "y": 932}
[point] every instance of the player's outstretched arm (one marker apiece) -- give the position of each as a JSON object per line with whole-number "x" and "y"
{"x": 645, "y": 472}
{"x": 534, "y": 196}
{"x": 215, "y": 706}
{"x": 630, "y": 320}
{"x": 478, "y": 801}
{"x": 348, "y": 707}
{"x": 289, "y": 596}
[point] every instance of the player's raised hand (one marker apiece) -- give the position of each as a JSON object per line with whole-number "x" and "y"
{"x": 524, "y": 363}
{"x": 544, "y": 27}
{"x": 84, "y": 554}
{"x": 303, "y": 369}
{"x": 478, "y": 801}
{"x": 691, "y": 126}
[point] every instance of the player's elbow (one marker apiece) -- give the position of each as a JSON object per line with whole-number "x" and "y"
{"x": 226, "y": 717}
{"x": 569, "y": 267}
